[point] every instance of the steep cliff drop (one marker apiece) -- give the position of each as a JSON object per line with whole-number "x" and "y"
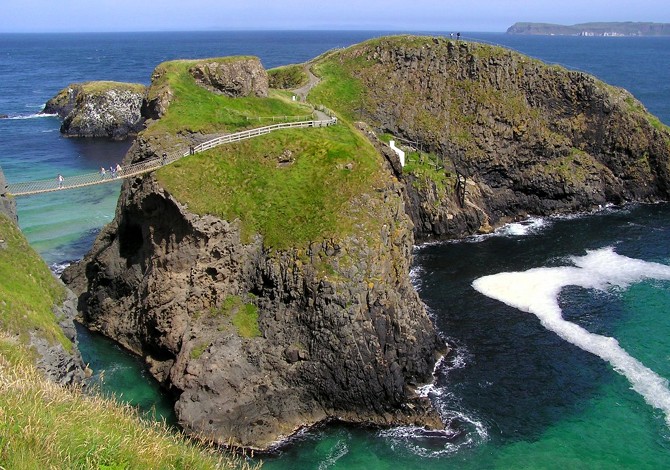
{"x": 59, "y": 363}
{"x": 494, "y": 135}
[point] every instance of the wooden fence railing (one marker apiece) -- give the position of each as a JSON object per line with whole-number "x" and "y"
{"x": 145, "y": 166}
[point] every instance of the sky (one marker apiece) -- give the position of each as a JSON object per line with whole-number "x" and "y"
{"x": 395, "y": 15}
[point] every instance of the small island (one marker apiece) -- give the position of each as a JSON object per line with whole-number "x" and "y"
{"x": 628, "y": 28}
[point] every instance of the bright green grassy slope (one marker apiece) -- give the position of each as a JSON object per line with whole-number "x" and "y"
{"x": 28, "y": 290}
{"x": 288, "y": 204}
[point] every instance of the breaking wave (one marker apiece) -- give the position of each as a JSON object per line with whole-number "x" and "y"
{"x": 30, "y": 116}
{"x": 537, "y": 291}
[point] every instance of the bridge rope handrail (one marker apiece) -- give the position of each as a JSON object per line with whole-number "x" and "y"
{"x": 145, "y": 166}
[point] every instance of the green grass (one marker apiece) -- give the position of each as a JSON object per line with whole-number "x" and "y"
{"x": 43, "y": 425}
{"x": 339, "y": 89}
{"x": 288, "y": 205}
{"x": 244, "y": 316}
{"x": 195, "y": 109}
{"x": 28, "y": 290}
{"x": 103, "y": 86}
{"x": 288, "y": 77}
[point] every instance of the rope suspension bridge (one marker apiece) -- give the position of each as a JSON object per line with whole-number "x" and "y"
{"x": 324, "y": 118}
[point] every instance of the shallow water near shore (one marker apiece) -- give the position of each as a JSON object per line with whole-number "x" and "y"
{"x": 516, "y": 395}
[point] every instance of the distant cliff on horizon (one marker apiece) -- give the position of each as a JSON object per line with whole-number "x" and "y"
{"x": 628, "y": 28}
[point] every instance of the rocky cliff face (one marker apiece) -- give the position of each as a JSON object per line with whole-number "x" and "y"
{"x": 334, "y": 330}
{"x": 59, "y": 365}
{"x": 7, "y": 204}
{"x": 512, "y": 135}
{"x": 99, "y": 109}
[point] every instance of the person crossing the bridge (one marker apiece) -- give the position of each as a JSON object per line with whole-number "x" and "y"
{"x": 60, "y": 181}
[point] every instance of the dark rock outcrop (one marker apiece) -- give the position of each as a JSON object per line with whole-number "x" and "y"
{"x": 511, "y": 135}
{"x": 234, "y": 77}
{"x": 99, "y": 109}
{"x": 343, "y": 334}
{"x": 159, "y": 95}
{"x": 7, "y": 204}
{"x": 57, "y": 364}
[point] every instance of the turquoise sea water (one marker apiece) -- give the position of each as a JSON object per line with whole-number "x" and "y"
{"x": 516, "y": 393}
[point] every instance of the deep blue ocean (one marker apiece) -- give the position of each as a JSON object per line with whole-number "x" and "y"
{"x": 560, "y": 327}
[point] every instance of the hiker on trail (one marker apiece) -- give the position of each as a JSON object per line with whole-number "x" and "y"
{"x": 60, "y": 181}
{"x": 458, "y": 36}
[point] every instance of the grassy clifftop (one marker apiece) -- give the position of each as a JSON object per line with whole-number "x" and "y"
{"x": 195, "y": 109}
{"x": 291, "y": 186}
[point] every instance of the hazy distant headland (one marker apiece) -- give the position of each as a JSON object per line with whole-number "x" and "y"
{"x": 628, "y": 28}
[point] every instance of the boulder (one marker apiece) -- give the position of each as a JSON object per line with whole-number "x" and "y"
{"x": 99, "y": 109}
{"x": 234, "y": 77}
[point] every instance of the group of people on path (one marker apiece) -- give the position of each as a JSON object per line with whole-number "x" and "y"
{"x": 114, "y": 171}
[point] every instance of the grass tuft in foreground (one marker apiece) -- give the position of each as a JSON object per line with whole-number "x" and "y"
{"x": 44, "y": 425}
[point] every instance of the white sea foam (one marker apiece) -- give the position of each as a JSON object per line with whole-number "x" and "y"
{"x": 339, "y": 450}
{"x": 536, "y": 291}
{"x": 31, "y": 116}
{"x": 461, "y": 431}
{"x": 526, "y": 227}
